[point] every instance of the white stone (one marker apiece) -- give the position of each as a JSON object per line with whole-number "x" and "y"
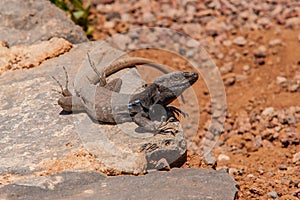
{"x": 246, "y": 68}
{"x": 223, "y": 157}
{"x": 281, "y": 80}
{"x": 275, "y": 42}
{"x": 296, "y": 157}
{"x": 241, "y": 41}
{"x": 268, "y": 111}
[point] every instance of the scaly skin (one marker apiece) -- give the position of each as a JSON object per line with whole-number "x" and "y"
{"x": 154, "y": 99}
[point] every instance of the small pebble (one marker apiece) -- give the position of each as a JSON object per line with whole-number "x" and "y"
{"x": 278, "y": 9}
{"x": 192, "y": 43}
{"x": 250, "y": 176}
{"x": 268, "y": 111}
{"x": 264, "y": 21}
{"x": 296, "y": 157}
{"x": 3, "y": 43}
{"x": 240, "y": 77}
{"x": 227, "y": 43}
{"x": 246, "y": 68}
{"x": 240, "y": 41}
{"x": 245, "y": 52}
{"x": 125, "y": 17}
{"x": 244, "y": 14}
{"x": 293, "y": 87}
{"x": 282, "y": 167}
{"x": 261, "y": 51}
{"x": 275, "y": 42}
{"x": 223, "y": 157}
{"x": 109, "y": 24}
{"x": 148, "y": 17}
{"x": 233, "y": 171}
{"x": 220, "y": 56}
{"x": 281, "y": 80}
{"x": 255, "y": 190}
{"x": 273, "y": 195}
{"x": 229, "y": 81}
{"x": 296, "y": 193}
{"x": 258, "y": 141}
{"x": 227, "y": 68}
{"x": 278, "y": 31}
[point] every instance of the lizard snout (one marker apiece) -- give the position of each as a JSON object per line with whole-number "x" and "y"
{"x": 191, "y": 76}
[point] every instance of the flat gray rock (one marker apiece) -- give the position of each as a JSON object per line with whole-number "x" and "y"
{"x": 29, "y": 21}
{"x": 33, "y": 131}
{"x": 176, "y": 184}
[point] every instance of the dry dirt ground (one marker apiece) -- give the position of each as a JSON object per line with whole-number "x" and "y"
{"x": 260, "y": 169}
{"x": 257, "y": 149}
{"x": 263, "y": 166}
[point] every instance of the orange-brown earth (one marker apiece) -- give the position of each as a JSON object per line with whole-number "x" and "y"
{"x": 268, "y": 167}
{"x": 258, "y": 170}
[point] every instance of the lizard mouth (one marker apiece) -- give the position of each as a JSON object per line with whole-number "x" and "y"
{"x": 192, "y": 77}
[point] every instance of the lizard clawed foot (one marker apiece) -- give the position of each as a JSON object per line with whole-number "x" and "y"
{"x": 177, "y": 111}
{"x": 165, "y": 126}
{"x": 64, "y": 91}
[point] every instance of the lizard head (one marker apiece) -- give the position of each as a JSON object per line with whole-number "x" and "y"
{"x": 172, "y": 85}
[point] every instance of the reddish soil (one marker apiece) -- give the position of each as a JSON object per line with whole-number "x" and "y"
{"x": 258, "y": 169}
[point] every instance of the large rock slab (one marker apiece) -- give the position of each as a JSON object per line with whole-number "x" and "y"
{"x": 26, "y": 22}
{"x": 176, "y": 184}
{"x": 33, "y": 131}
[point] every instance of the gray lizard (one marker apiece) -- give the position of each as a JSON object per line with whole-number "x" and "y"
{"x": 142, "y": 108}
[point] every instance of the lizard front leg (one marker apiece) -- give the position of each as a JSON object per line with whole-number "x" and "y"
{"x": 142, "y": 121}
{"x": 155, "y": 127}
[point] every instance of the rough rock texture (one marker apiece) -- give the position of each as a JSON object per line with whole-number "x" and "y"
{"x": 26, "y": 22}
{"x": 18, "y": 57}
{"x": 176, "y": 184}
{"x": 32, "y": 129}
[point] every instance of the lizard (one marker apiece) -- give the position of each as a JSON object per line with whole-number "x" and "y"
{"x": 141, "y": 107}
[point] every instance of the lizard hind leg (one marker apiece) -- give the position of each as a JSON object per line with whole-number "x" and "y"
{"x": 102, "y": 77}
{"x": 64, "y": 91}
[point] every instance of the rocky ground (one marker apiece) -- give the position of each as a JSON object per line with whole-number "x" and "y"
{"x": 256, "y": 46}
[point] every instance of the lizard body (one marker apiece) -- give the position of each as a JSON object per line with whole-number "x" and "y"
{"x": 106, "y": 104}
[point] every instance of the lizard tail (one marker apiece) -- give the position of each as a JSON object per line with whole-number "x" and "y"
{"x": 126, "y": 62}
